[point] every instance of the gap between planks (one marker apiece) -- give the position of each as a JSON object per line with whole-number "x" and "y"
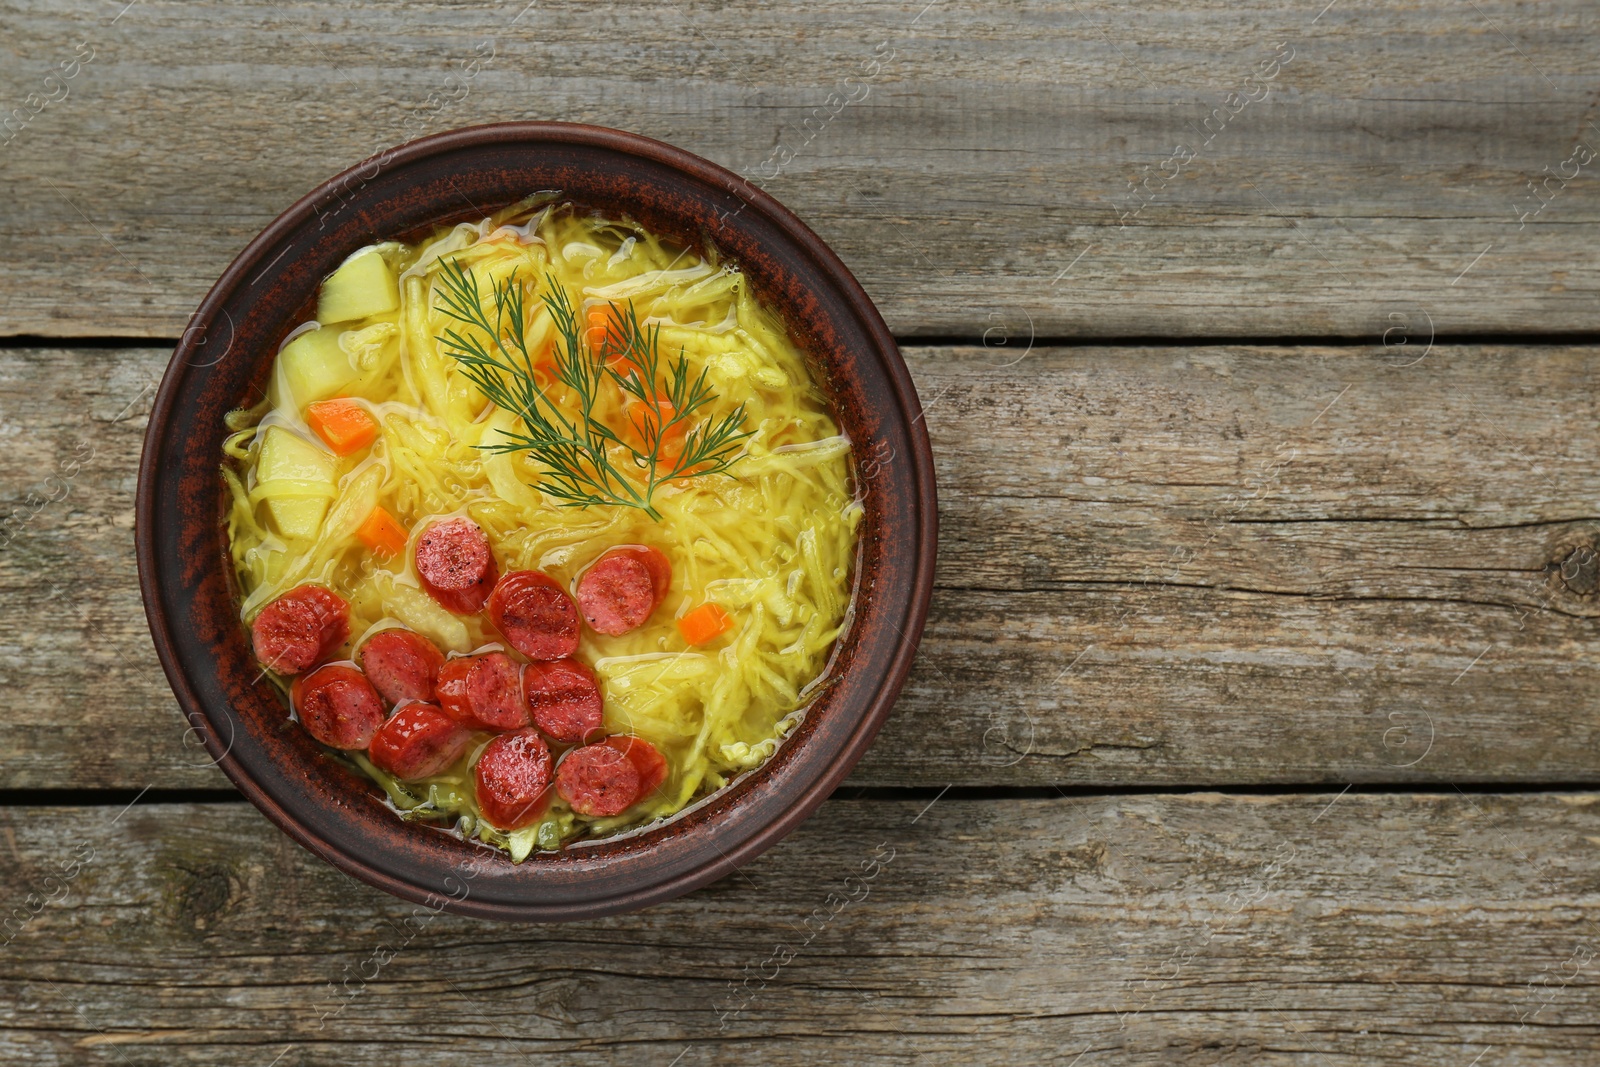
{"x": 93, "y": 798}
{"x": 1551, "y": 338}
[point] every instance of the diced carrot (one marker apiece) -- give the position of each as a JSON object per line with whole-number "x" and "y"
{"x": 344, "y": 424}
{"x": 704, "y": 623}
{"x": 600, "y": 317}
{"x": 544, "y": 360}
{"x": 646, "y": 421}
{"x": 604, "y": 330}
{"x": 381, "y": 533}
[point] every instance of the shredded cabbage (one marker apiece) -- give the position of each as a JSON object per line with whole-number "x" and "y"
{"x": 774, "y": 545}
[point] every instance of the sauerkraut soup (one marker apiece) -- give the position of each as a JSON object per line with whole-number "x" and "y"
{"x": 543, "y": 525}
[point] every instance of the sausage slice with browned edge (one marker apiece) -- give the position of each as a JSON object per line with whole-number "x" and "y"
{"x": 597, "y": 780}
{"x": 535, "y": 614}
{"x": 513, "y": 779}
{"x": 647, "y": 760}
{"x": 655, "y": 561}
{"x": 483, "y": 692}
{"x": 620, "y": 590}
{"x": 418, "y": 741}
{"x": 401, "y": 665}
{"x": 300, "y": 629}
{"x": 337, "y": 706}
{"x": 456, "y": 565}
{"x": 563, "y": 698}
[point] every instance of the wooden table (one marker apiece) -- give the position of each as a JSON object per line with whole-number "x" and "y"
{"x": 1255, "y": 722}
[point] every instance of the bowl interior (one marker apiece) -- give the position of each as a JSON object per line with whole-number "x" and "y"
{"x": 223, "y": 361}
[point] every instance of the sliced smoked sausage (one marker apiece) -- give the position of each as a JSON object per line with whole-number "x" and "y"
{"x": 563, "y": 698}
{"x": 418, "y": 741}
{"x": 456, "y": 565}
{"x": 300, "y": 629}
{"x": 597, "y": 780}
{"x": 535, "y": 614}
{"x": 483, "y": 692}
{"x": 621, "y": 588}
{"x": 655, "y": 561}
{"x": 338, "y": 706}
{"x": 647, "y": 760}
{"x": 513, "y": 779}
{"x": 401, "y": 665}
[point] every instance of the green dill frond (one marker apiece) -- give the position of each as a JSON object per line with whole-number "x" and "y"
{"x": 574, "y": 449}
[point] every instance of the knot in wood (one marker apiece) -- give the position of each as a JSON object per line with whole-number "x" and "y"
{"x": 1580, "y": 570}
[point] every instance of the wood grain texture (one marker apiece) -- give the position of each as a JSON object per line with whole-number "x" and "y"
{"x": 974, "y": 166}
{"x": 1168, "y": 565}
{"x": 1196, "y": 929}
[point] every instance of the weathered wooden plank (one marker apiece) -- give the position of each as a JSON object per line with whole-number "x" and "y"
{"x": 1260, "y": 565}
{"x": 1198, "y": 929}
{"x": 1049, "y": 167}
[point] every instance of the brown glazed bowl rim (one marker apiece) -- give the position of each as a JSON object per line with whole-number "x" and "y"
{"x": 187, "y": 584}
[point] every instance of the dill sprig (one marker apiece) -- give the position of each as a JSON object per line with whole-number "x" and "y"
{"x": 667, "y": 401}
{"x": 576, "y": 449}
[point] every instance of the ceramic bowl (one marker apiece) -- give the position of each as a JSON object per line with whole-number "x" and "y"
{"x": 222, "y": 362}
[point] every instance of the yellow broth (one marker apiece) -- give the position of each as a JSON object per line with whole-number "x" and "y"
{"x": 772, "y": 541}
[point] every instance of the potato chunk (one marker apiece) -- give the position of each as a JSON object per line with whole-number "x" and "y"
{"x": 315, "y": 366}
{"x": 362, "y": 286}
{"x": 297, "y": 468}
